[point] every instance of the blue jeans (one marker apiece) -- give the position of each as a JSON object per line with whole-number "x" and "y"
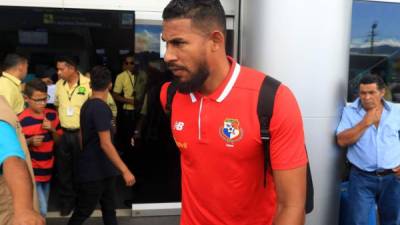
{"x": 43, "y": 190}
{"x": 366, "y": 190}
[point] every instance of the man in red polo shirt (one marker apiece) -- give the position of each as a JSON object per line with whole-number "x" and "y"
{"x": 215, "y": 125}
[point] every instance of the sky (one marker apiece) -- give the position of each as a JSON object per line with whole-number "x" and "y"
{"x": 149, "y": 28}
{"x": 387, "y": 16}
{"x": 147, "y": 38}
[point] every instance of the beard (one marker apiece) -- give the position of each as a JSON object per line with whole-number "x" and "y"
{"x": 195, "y": 82}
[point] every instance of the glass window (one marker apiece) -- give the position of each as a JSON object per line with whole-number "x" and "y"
{"x": 90, "y": 36}
{"x": 375, "y": 46}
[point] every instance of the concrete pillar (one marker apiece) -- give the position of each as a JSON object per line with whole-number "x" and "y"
{"x": 305, "y": 44}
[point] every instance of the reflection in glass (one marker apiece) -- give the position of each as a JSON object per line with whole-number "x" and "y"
{"x": 375, "y": 46}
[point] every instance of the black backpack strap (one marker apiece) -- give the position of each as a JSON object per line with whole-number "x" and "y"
{"x": 171, "y": 91}
{"x": 310, "y": 190}
{"x": 265, "y": 109}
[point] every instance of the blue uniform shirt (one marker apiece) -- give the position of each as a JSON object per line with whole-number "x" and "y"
{"x": 9, "y": 144}
{"x": 377, "y": 148}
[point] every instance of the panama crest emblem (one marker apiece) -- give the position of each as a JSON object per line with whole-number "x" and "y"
{"x": 231, "y": 131}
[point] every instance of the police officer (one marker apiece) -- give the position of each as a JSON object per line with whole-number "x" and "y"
{"x": 124, "y": 92}
{"x": 72, "y": 90}
{"x": 15, "y": 67}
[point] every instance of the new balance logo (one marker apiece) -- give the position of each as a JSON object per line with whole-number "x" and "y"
{"x": 179, "y": 126}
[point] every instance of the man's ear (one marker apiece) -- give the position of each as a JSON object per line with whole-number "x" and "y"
{"x": 217, "y": 40}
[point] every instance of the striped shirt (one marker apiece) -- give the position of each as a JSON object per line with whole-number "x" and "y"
{"x": 42, "y": 156}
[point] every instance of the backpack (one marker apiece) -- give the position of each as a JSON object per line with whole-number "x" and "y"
{"x": 264, "y": 111}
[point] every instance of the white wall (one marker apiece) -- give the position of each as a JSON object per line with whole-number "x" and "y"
{"x": 305, "y": 44}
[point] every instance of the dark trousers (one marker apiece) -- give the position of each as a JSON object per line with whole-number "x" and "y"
{"x": 66, "y": 155}
{"x": 91, "y": 193}
{"x": 128, "y": 123}
{"x": 125, "y": 130}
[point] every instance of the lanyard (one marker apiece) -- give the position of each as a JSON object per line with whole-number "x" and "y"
{"x": 130, "y": 78}
{"x": 73, "y": 91}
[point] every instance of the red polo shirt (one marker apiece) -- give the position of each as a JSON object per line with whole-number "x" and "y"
{"x": 222, "y": 154}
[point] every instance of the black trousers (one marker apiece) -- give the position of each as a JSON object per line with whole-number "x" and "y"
{"x": 125, "y": 129}
{"x": 66, "y": 155}
{"x": 91, "y": 193}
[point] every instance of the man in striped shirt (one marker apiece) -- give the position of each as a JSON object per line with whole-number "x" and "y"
{"x": 41, "y": 128}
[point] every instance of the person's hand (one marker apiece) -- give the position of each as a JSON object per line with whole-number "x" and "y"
{"x": 397, "y": 171}
{"x": 27, "y": 217}
{"x": 135, "y": 137}
{"x": 114, "y": 122}
{"x": 46, "y": 125}
{"x": 137, "y": 134}
{"x": 372, "y": 116}
{"x": 128, "y": 178}
{"x": 133, "y": 141}
{"x": 35, "y": 140}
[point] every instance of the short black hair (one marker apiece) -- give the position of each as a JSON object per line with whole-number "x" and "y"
{"x": 68, "y": 60}
{"x": 12, "y": 60}
{"x": 373, "y": 79}
{"x": 100, "y": 78}
{"x": 35, "y": 85}
{"x": 129, "y": 55}
{"x": 201, "y": 12}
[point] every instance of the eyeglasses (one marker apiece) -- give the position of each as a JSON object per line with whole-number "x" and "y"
{"x": 42, "y": 101}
